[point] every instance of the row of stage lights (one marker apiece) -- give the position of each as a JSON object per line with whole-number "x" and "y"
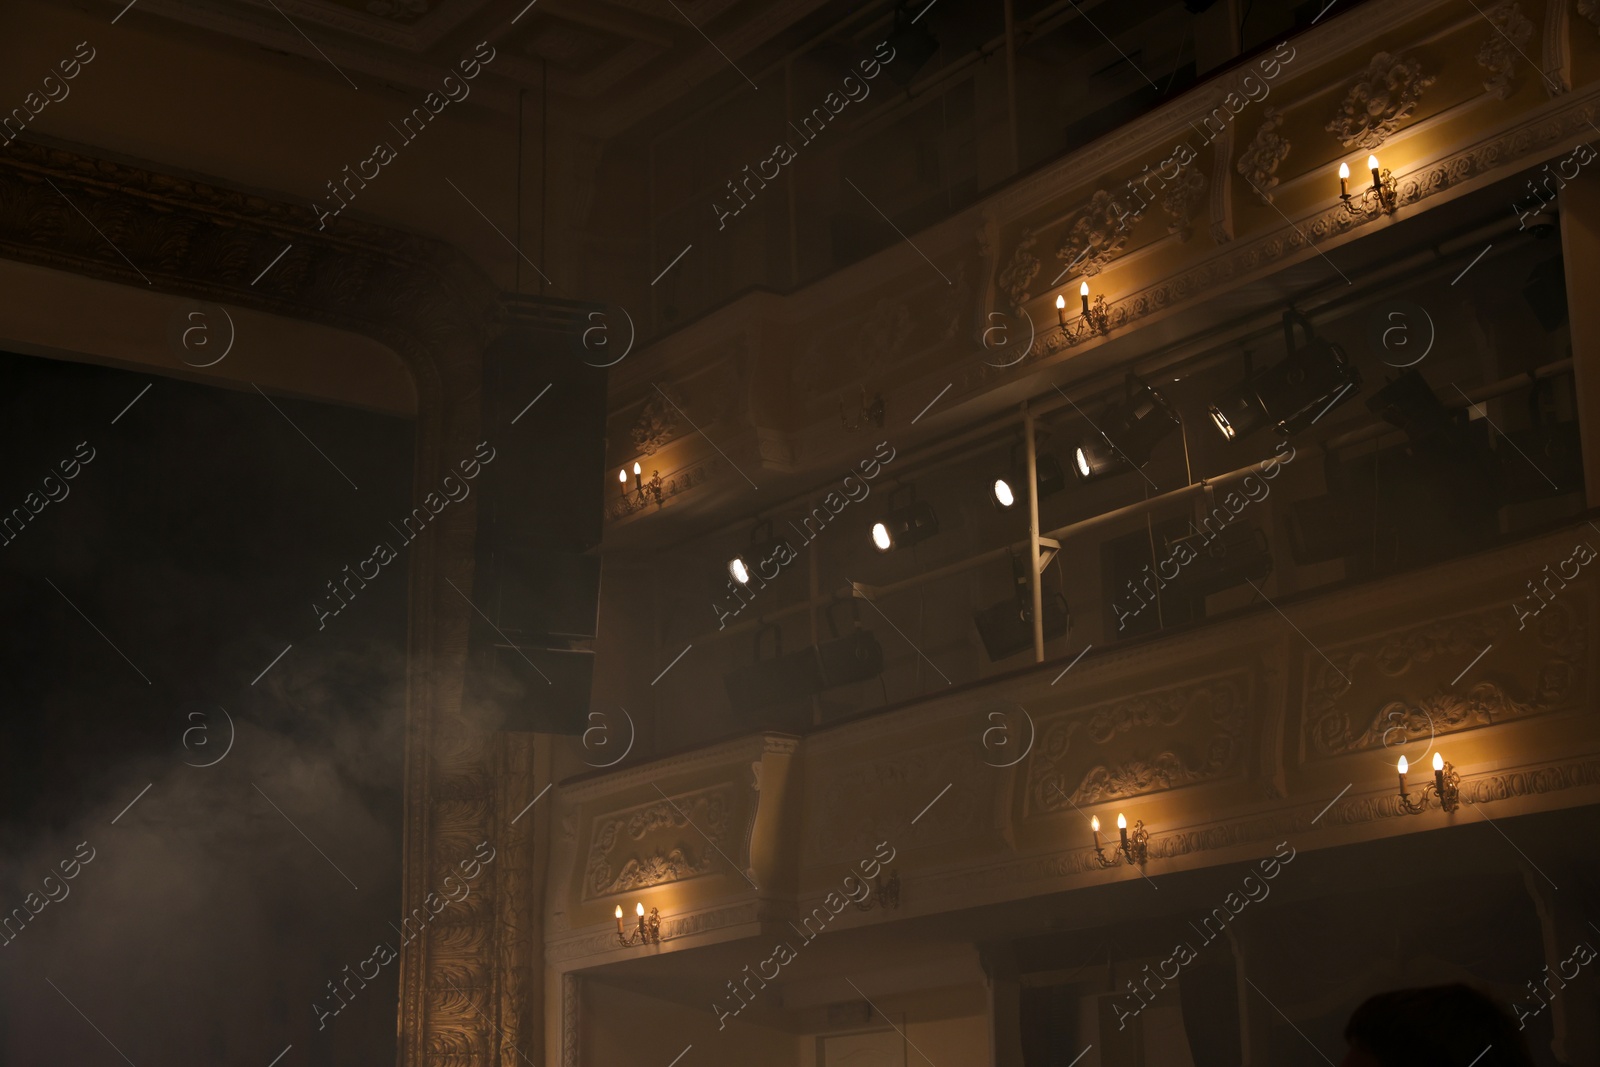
{"x": 1289, "y": 396}
{"x": 1312, "y": 379}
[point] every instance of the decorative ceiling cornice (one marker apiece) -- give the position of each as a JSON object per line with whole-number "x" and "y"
{"x": 190, "y": 237}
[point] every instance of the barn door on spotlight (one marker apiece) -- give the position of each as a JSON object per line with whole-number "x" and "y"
{"x": 536, "y": 584}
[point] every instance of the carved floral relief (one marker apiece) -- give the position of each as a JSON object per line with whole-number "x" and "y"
{"x": 1018, "y": 275}
{"x": 661, "y": 842}
{"x": 1502, "y": 48}
{"x": 658, "y": 422}
{"x": 1096, "y": 235}
{"x": 1380, "y": 100}
{"x": 1383, "y": 691}
{"x": 1259, "y": 161}
{"x": 1179, "y": 202}
{"x": 1144, "y": 744}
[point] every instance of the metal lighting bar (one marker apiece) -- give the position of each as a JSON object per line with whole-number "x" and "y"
{"x": 1035, "y": 570}
{"x": 1037, "y": 539}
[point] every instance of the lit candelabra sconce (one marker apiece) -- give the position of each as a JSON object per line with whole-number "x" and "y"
{"x": 1379, "y": 199}
{"x": 642, "y": 491}
{"x": 1445, "y": 787}
{"x": 648, "y": 932}
{"x": 1133, "y": 848}
{"x": 1094, "y": 319}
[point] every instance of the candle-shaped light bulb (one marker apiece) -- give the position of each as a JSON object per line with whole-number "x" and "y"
{"x": 622, "y": 477}
{"x": 1403, "y": 767}
{"x": 1344, "y": 179}
{"x": 1438, "y": 773}
{"x": 1372, "y": 165}
{"x": 1122, "y": 828}
{"x": 1438, "y": 761}
{"x": 619, "y": 920}
{"x": 636, "y": 475}
{"x": 1094, "y": 828}
{"x": 639, "y": 910}
{"x": 1083, "y": 295}
{"x": 1061, "y": 309}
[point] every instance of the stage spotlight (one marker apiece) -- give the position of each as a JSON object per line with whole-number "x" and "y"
{"x": 1311, "y": 380}
{"x": 912, "y": 44}
{"x": 767, "y": 555}
{"x": 1047, "y": 469}
{"x": 1000, "y": 492}
{"x": 906, "y": 524}
{"x": 1127, "y": 433}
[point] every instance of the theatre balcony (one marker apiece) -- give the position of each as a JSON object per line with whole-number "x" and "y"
{"x": 1229, "y": 479}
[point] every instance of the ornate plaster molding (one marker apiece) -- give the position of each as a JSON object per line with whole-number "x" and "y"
{"x": 571, "y": 1020}
{"x": 1096, "y": 235}
{"x": 1341, "y": 718}
{"x": 1181, "y": 736}
{"x": 1258, "y": 163}
{"x": 615, "y": 865}
{"x": 1556, "y": 60}
{"x": 1503, "y": 46}
{"x": 1379, "y": 101}
{"x": 1567, "y": 116}
{"x": 1221, "y": 206}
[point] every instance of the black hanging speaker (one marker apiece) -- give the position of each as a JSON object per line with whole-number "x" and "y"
{"x": 855, "y": 657}
{"x": 774, "y": 679}
{"x": 1212, "y": 562}
{"x": 537, "y": 582}
{"x": 1007, "y": 627}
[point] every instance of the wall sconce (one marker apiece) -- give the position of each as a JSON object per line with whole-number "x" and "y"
{"x": 1380, "y": 199}
{"x": 864, "y": 413}
{"x": 1446, "y": 787}
{"x": 642, "y": 490}
{"x": 1134, "y": 848}
{"x": 885, "y": 895}
{"x": 648, "y": 932}
{"x": 1093, "y": 320}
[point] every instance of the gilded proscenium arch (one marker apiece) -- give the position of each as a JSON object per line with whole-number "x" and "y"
{"x": 438, "y": 312}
